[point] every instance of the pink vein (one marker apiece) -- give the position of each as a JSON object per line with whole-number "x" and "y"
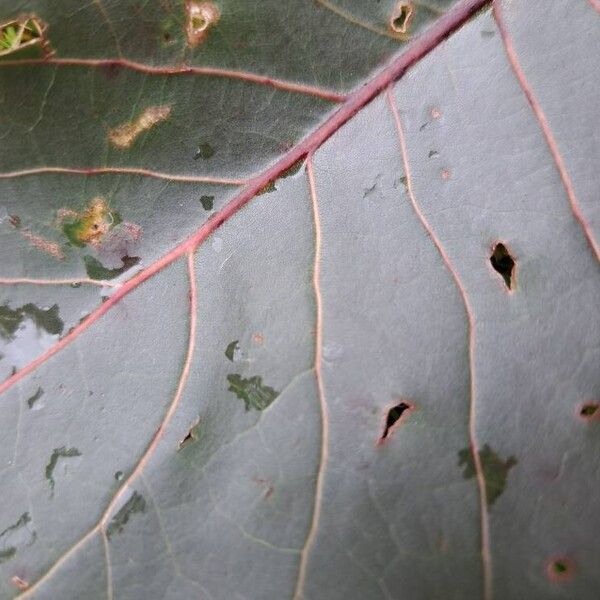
{"x": 122, "y": 171}
{"x": 474, "y": 446}
{"x": 364, "y": 94}
{"x": 314, "y": 526}
{"x": 27, "y": 280}
{"x": 545, "y": 127}
{"x": 279, "y": 84}
{"x": 101, "y": 525}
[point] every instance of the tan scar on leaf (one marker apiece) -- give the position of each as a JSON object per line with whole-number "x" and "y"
{"x": 124, "y": 135}
{"x": 25, "y": 33}
{"x": 47, "y": 246}
{"x": 200, "y": 17}
{"x": 402, "y": 17}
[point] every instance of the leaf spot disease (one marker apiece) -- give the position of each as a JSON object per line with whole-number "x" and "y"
{"x": 96, "y": 270}
{"x": 503, "y": 263}
{"x": 135, "y": 504}
{"x": 20, "y": 522}
{"x": 205, "y": 151}
{"x": 495, "y": 470}
{"x": 396, "y": 415}
{"x": 25, "y": 36}
{"x": 590, "y": 411}
{"x": 207, "y": 202}
{"x": 125, "y": 135}
{"x": 402, "y": 17}
{"x": 200, "y": 18}
{"x": 252, "y": 391}
{"x": 33, "y": 399}
{"x": 559, "y": 569}
{"x": 58, "y": 453}
{"x": 19, "y": 582}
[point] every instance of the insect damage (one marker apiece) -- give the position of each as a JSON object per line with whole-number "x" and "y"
{"x": 26, "y": 36}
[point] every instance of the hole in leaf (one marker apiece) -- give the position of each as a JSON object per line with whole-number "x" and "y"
{"x": 590, "y": 410}
{"x": 402, "y": 17}
{"x": 191, "y": 436}
{"x": 560, "y": 569}
{"x": 392, "y": 420}
{"x": 504, "y": 264}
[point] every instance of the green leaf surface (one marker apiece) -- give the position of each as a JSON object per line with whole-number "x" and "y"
{"x": 379, "y": 379}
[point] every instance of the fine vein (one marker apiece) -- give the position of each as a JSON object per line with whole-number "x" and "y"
{"x": 314, "y": 526}
{"x": 101, "y": 525}
{"x": 473, "y": 443}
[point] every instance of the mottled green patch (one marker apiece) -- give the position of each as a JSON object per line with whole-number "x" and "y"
{"x": 135, "y": 504}
{"x": 33, "y": 399}
{"x": 495, "y": 470}
{"x": 46, "y": 319}
{"x": 231, "y": 349}
{"x": 91, "y": 224}
{"x": 56, "y": 454}
{"x": 251, "y": 391}
{"x": 24, "y": 38}
{"x": 7, "y": 554}
{"x": 205, "y": 151}
{"x": 207, "y": 202}
{"x": 21, "y": 521}
{"x": 96, "y": 270}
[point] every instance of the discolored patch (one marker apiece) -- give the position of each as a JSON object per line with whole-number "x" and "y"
{"x": 252, "y": 391}
{"x": 135, "y": 504}
{"x": 19, "y": 582}
{"x": 495, "y": 470}
{"x": 560, "y": 569}
{"x": 47, "y": 246}
{"x": 57, "y": 454}
{"x": 90, "y": 225}
{"x": 124, "y": 135}
{"x": 200, "y": 18}
{"x": 44, "y": 318}
{"x": 96, "y": 270}
{"x": 35, "y": 397}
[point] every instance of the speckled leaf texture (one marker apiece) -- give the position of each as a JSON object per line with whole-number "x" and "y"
{"x": 299, "y": 300}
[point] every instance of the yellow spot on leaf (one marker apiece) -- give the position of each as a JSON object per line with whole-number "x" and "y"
{"x": 124, "y": 135}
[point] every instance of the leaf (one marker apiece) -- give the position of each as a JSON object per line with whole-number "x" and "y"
{"x": 377, "y": 380}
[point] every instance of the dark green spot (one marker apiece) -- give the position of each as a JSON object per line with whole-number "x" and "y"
{"x": 231, "y": 349}
{"x": 96, "y": 270}
{"x": 21, "y": 521}
{"x": 135, "y": 504}
{"x": 33, "y": 399}
{"x": 7, "y": 554}
{"x": 46, "y": 319}
{"x": 432, "y": 153}
{"x": 560, "y": 567}
{"x": 251, "y": 391}
{"x": 207, "y": 202}
{"x": 495, "y": 470}
{"x": 72, "y": 232}
{"x": 205, "y": 151}
{"x": 56, "y": 454}
{"x": 119, "y": 475}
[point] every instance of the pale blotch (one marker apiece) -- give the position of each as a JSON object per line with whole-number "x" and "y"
{"x": 47, "y": 246}
{"x": 124, "y": 135}
{"x": 200, "y": 17}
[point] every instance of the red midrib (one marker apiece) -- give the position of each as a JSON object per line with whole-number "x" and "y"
{"x": 420, "y": 46}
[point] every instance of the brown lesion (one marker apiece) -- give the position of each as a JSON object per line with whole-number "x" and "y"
{"x": 200, "y": 18}
{"x": 402, "y": 17}
{"x": 123, "y": 136}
